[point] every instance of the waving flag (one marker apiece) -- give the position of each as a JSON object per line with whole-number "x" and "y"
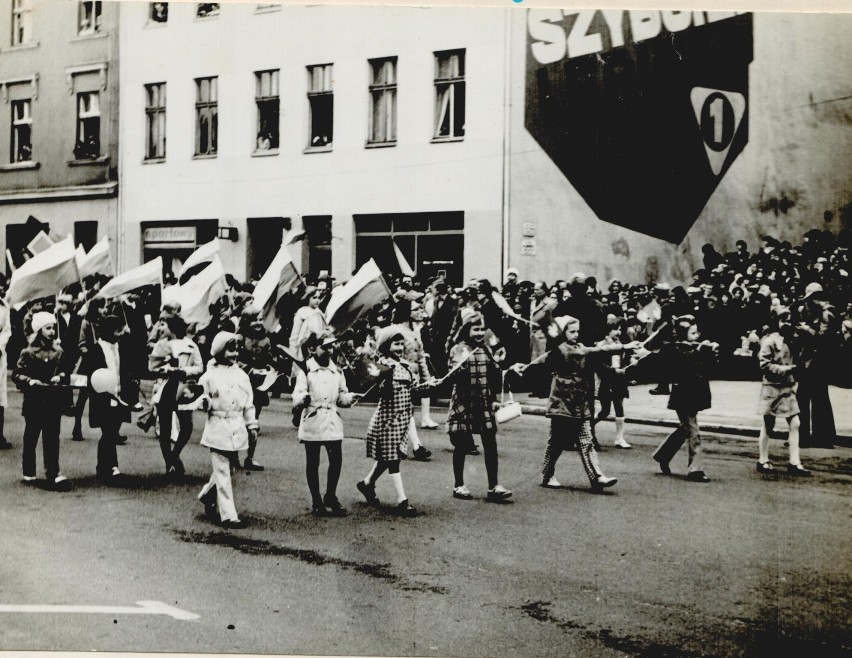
{"x": 44, "y": 275}
{"x": 403, "y": 264}
{"x": 201, "y": 290}
{"x": 280, "y": 276}
{"x": 151, "y": 273}
{"x": 198, "y": 260}
{"x": 97, "y": 260}
{"x": 357, "y": 296}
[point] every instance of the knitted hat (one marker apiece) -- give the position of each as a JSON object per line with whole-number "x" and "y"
{"x": 221, "y": 340}
{"x": 564, "y": 320}
{"x": 468, "y": 315}
{"x": 387, "y": 334}
{"x": 39, "y": 321}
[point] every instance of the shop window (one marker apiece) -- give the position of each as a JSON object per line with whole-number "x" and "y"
{"x": 155, "y": 121}
{"x": 321, "y": 103}
{"x": 206, "y": 116}
{"x": 88, "y": 144}
{"x": 89, "y": 17}
{"x": 265, "y": 235}
{"x": 22, "y": 131}
{"x": 268, "y": 108}
{"x": 22, "y": 22}
{"x": 382, "y": 101}
{"x": 449, "y": 94}
{"x": 159, "y": 12}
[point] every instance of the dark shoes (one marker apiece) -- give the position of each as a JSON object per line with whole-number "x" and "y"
{"x": 233, "y": 524}
{"x": 603, "y": 482}
{"x": 369, "y": 493}
{"x": 697, "y": 476}
{"x": 4, "y": 443}
{"x": 766, "y": 469}
{"x": 474, "y": 450}
{"x": 664, "y": 467}
{"x": 251, "y": 465}
{"x": 77, "y": 435}
{"x": 660, "y": 390}
{"x": 499, "y": 495}
{"x": 320, "y": 510}
{"x": 462, "y": 493}
{"x": 333, "y": 506}
{"x": 797, "y": 470}
{"x": 61, "y": 484}
{"x": 422, "y": 455}
{"x": 405, "y": 509}
{"x": 209, "y": 502}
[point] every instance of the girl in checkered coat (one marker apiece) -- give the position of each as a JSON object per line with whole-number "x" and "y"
{"x": 386, "y": 435}
{"x": 475, "y": 385}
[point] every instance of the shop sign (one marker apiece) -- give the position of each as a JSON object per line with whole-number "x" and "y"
{"x": 643, "y": 111}
{"x": 528, "y": 229}
{"x": 169, "y": 234}
{"x": 528, "y": 247}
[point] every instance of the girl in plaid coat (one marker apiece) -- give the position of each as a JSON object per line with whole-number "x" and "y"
{"x": 475, "y": 385}
{"x": 386, "y": 435}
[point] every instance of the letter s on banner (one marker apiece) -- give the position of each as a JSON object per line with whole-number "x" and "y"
{"x": 550, "y": 41}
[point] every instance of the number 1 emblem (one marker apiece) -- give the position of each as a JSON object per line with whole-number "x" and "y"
{"x": 718, "y": 114}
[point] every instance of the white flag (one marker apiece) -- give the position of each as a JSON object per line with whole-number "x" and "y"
{"x": 196, "y": 295}
{"x": 403, "y": 264}
{"x": 45, "y": 274}
{"x": 96, "y": 261}
{"x": 151, "y": 273}
{"x": 204, "y": 254}
{"x": 280, "y": 276}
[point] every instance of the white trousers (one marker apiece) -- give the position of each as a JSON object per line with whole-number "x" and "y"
{"x": 221, "y": 479}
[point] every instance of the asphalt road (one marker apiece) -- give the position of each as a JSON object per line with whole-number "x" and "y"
{"x": 743, "y": 566}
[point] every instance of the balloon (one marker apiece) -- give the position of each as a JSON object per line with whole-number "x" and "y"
{"x": 104, "y": 381}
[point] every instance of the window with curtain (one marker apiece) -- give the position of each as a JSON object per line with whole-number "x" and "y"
{"x": 321, "y": 103}
{"x": 382, "y": 101}
{"x": 206, "y": 116}
{"x": 155, "y": 121}
{"x": 449, "y": 94}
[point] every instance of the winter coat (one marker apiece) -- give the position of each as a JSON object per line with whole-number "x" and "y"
{"x": 227, "y": 399}
{"x": 687, "y": 366}
{"x": 570, "y": 391}
{"x": 39, "y": 363}
{"x": 181, "y": 353}
{"x": 388, "y": 429}
{"x": 103, "y": 407}
{"x": 327, "y": 389}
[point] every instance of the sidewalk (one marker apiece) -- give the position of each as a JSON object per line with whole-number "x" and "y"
{"x": 734, "y": 409}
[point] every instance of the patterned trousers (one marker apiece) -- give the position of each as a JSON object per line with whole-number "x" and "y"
{"x": 563, "y": 433}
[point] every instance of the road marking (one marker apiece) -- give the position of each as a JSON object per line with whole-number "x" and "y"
{"x": 144, "y": 608}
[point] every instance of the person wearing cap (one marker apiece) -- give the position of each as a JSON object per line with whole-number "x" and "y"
{"x": 38, "y": 375}
{"x": 319, "y": 392}
{"x": 229, "y": 402}
{"x": 170, "y": 309}
{"x": 778, "y": 395}
{"x": 571, "y": 403}
{"x": 388, "y": 429}
{"x": 477, "y": 379}
{"x": 510, "y": 285}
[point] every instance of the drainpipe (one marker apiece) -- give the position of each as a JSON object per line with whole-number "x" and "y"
{"x": 506, "y": 146}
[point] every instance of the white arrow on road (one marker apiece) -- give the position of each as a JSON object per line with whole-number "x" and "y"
{"x": 144, "y": 608}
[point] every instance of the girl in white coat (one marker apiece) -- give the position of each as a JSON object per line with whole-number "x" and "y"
{"x": 319, "y": 392}
{"x": 227, "y": 398}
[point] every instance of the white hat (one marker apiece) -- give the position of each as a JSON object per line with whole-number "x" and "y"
{"x": 812, "y": 288}
{"x": 513, "y": 270}
{"x": 467, "y": 315}
{"x": 564, "y": 320}
{"x": 385, "y": 334}
{"x": 40, "y": 320}
{"x": 221, "y": 340}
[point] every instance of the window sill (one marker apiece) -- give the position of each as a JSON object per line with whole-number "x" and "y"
{"x": 207, "y": 18}
{"x": 319, "y": 149}
{"x": 85, "y": 163}
{"x": 155, "y": 24}
{"x": 267, "y": 10}
{"x": 204, "y": 156}
{"x": 90, "y": 36}
{"x": 153, "y": 161}
{"x": 444, "y": 140}
{"x": 379, "y": 145}
{"x": 20, "y": 166}
{"x": 21, "y": 46}
{"x": 264, "y": 154}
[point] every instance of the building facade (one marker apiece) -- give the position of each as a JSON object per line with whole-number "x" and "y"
{"x": 369, "y": 126}
{"x": 362, "y": 125}
{"x": 58, "y": 122}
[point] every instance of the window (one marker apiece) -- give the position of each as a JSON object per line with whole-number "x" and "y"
{"x": 88, "y": 146}
{"x": 206, "y": 9}
{"x": 206, "y": 116}
{"x": 155, "y": 121}
{"x": 268, "y": 103}
{"x": 22, "y": 131}
{"x": 321, "y": 100}
{"x": 449, "y": 94}
{"x": 382, "y": 101}
{"x": 22, "y": 25}
{"x": 89, "y": 17}
{"x": 159, "y": 12}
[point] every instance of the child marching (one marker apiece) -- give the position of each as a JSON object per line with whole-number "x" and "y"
{"x": 318, "y": 392}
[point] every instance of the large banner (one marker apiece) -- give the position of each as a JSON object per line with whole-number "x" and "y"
{"x": 642, "y": 111}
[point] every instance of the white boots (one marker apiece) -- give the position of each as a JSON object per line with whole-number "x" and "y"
{"x": 619, "y": 434}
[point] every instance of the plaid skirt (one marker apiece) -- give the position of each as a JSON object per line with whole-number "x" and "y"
{"x": 388, "y": 429}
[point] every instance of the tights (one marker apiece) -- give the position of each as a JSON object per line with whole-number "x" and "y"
{"x": 312, "y": 462}
{"x": 489, "y": 450}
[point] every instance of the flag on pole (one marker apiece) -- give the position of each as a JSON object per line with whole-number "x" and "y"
{"x": 201, "y": 290}
{"x": 44, "y": 275}
{"x": 403, "y": 264}
{"x": 280, "y": 276}
{"x": 198, "y": 260}
{"x": 96, "y": 261}
{"x": 10, "y": 260}
{"x": 501, "y": 303}
{"x": 149, "y": 274}
{"x": 357, "y": 296}
{"x": 39, "y": 243}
